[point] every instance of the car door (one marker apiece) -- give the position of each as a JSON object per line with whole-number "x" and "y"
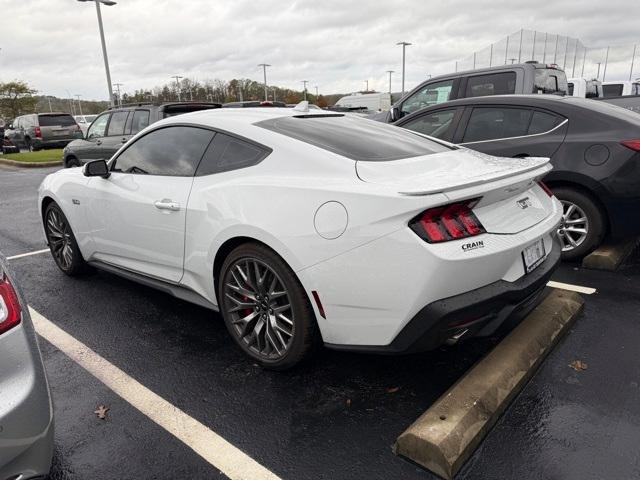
{"x": 511, "y": 131}
{"x": 15, "y": 133}
{"x": 92, "y": 148}
{"x": 114, "y": 136}
{"x": 138, "y": 213}
{"x": 438, "y": 123}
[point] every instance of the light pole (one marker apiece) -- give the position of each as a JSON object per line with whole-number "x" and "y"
{"x": 390, "y": 72}
{"x": 404, "y": 46}
{"x": 49, "y": 99}
{"x": 317, "y": 94}
{"x": 304, "y": 82}
{"x": 79, "y": 104}
{"x": 598, "y": 76}
{"x": 108, "y": 3}
{"x": 367, "y": 87}
{"x": 178, "y": 77}
{"x": 264, "y": 72}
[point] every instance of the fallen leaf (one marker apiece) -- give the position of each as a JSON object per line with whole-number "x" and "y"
{"x": 578, "y": 365}
{"x": 393, "y": 389}
{"x": 348, "y": 402}
{"x": 101, "y": 412}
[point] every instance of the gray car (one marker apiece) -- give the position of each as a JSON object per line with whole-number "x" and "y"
{"x": 113, "y": 128}
{"x": 43, "y": 130}
{"x": 26, "y": 412}
{"x": 523, "y": 78}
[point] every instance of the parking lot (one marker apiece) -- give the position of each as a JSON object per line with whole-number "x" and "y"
{"x": 336, "y": 417}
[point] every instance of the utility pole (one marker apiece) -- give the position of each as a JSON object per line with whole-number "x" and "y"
{"x": 79, "y": 103}
{"x": 316, "y": 93}
{"x": 49, "y": 99}
{"x": 118, "y": 85}
{"x": 304, "y": 82}
{"x": 178, "y": 78}
{"x": 390, "y": 72}
{"x": 404, "y": 46}
{"x": 367, "y": 87}
{"x": 108, "y": 3}
{"x": 632, "y": 60}
{"x": 264, "y": 72}
{"x": 598, "y": 75}
{"x": 606, "y": 60}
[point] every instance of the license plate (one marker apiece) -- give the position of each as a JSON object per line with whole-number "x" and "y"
{"x": 59, "y": 133}
{"x": 533, "y": 255}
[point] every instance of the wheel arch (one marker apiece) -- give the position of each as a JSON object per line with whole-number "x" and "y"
{"x": 584, "y": 187}
{"x": 233, "y": 242}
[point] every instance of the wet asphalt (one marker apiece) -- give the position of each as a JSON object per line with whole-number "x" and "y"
{"x": 335, "y": 417}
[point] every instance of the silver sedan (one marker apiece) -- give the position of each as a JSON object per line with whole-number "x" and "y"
{"x": 26, "y": 412}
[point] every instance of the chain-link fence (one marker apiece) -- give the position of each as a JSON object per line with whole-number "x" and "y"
{"x": 578, "y": 60}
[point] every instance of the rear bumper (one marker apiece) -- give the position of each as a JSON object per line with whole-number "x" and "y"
{"x": 57, "y": 143}
{"x": 479, "y": 312}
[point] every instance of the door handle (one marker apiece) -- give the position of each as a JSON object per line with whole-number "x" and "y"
{"x": 98, "y": 142}
{"x": 166, "y": 204}
{"x": 124, "y": 140}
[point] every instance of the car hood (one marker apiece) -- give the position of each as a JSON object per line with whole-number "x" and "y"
{"x": 445, "y": 171}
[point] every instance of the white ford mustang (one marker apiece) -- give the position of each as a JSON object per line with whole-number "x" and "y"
{"x": 303, "y": 227}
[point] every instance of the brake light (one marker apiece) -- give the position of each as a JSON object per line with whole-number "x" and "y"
{"x": 544, "y": 187}
{"x": 448, "y": 222}
{"x": 632, "y": 144}
{"x": 38, "y": 132}
{"x": 9, "y": 305}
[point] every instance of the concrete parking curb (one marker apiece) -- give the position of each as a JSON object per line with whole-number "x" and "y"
{"x": 610, "y": 256}
{"x": 15, "y": 163}
{"x": 444, "y": 437}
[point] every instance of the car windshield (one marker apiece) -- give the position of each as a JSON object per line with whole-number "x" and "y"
{"x": 64, "y": 120}
{"x": 354, "y": 138}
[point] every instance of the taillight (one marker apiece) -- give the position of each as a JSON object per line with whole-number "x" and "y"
{"x": 632, "y": 144}
{"x": 544, "y": 187}
{"x": 38, "y": 132}
{"x": 448, "y": 222}
{"x": 9, "y": 305}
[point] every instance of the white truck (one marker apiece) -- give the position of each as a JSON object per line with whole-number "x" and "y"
{"x": 621, "y": 88}
{"x": 375, "y": 102}
{"x": 581, "y": 87}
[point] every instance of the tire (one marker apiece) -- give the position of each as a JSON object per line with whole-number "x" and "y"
{"x": 71, "y": 161}
{"x": 274, "y": 335}
{"x": 62, "y": 241}
{"x": 36, "y": 147}
{"x": 577, "y": 244}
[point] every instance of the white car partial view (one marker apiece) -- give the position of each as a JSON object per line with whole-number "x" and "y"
{"x": 305, "y": 227}
{"x": 84, "y": 122}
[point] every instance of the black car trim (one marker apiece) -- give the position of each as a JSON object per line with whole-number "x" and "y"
{"x": 566, "y": 120}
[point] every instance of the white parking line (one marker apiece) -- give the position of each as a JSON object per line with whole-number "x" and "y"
{"x": 37, "y": 252}
{"x": 231, "y": 461}
{"x": 573, "y": 288}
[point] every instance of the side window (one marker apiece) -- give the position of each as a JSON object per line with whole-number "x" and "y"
{"x": 570, "y": 85}
{"x": 496, "y": 122}
{"x": 140, "y": 121}
{"x": 116, "y": 125}
{"x": 543, "y": 122}
{"x": 612, "y": 90}
{"x": 435, "y": 124}
{"x": 430, "y": 94}
{"x": 174, "y": 151}
{"x": 230, "y": 153}
{"x": 127, "y": 127}
{"x": 98, "y": 127}
{"x": 503, "y": 83}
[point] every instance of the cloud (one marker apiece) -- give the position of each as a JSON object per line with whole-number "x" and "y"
{"x": 337, "y": 45}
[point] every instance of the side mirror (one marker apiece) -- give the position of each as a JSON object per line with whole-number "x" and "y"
{"x": 97, "y": 168}
{"x": 10, "y": 127}
{"x": 395, "y": 114}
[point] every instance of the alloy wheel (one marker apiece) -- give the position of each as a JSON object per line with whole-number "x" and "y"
{"x": 574, "y": 226}
{"x": 59, "y": 234}
{"x": 259, "y": 308}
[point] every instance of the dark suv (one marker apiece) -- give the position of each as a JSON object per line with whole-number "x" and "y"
{"x": 113, "y": 128}
{"x": 523, "y": 78}
{"x": 594, "y": 148}
{"x": 43, "y": 130}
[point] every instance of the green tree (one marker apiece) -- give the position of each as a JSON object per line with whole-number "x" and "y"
{"x": 16, "y": 98}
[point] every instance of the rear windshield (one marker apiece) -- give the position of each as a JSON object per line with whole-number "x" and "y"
{"x": 550, "y": 80}
{"x": 65, "y": 120}
{"x": 354, "y": 138}
{"x": 612, "y": 90}
{"x": 173, "y": 110}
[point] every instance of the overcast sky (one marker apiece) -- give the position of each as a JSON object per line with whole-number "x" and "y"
{"x": 336, "y": 44}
